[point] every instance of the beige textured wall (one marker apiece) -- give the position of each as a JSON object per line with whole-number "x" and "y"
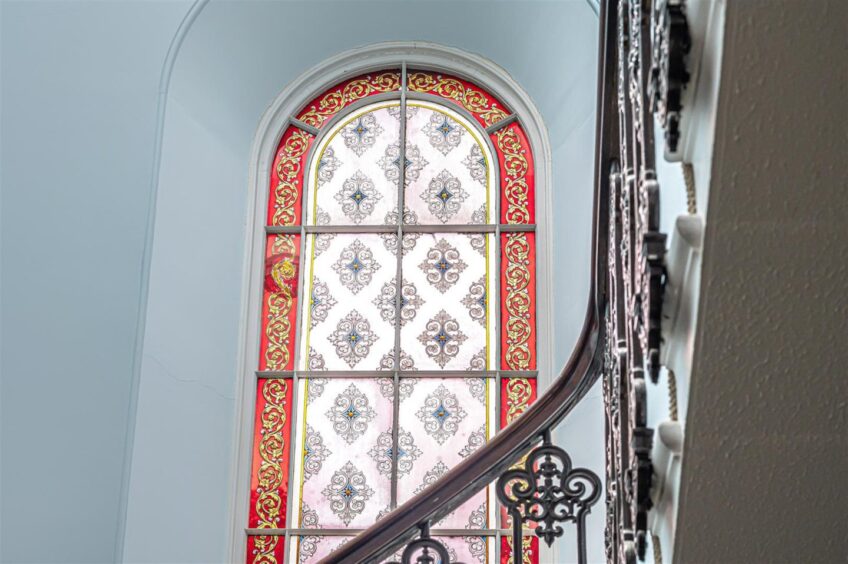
{"x": 766, "y": 454}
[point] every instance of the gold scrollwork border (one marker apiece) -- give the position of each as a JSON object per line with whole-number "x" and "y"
{"x": 278, "y": 328}
{"x": 289, "y": 177}
{"x": 470, "y": 98}
{"x": 517, "y": 302}
{"x": 333, "y": 101}
{"x": 516, "y": 190}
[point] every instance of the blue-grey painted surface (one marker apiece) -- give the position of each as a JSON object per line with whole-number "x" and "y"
{"x": 79, "y": 82}
{"x": 70, "y": 295}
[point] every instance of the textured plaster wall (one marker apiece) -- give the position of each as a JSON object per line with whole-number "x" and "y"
{"x": 766, "y": 447}
{"x": 79, "y": 93}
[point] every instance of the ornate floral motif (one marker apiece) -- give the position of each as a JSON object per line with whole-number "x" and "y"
{"x": 410, "y": 301}
{"x": 479, "y": 216}
{"x": 353, "y": 338}
{"x": 322, "y": 242}
{"x": 315, "y": 388}
{"x": 327, "y": 166}
{"x": 476, "y": 302}
{"x": 350, "y": 414}
{"x": 315, "y": 452}
{"x": 475, "y": 440}
{"x": 309, "y": 544}
{"x": 478, "y": 243}
{"x": 405, "y": 387}
{"x": 431, "y": 476}
{"x": 408, "y": 453}
{"x": 316, "y": 360}
{"x": 444, "y": 133}
{"x": 357, "y": 197}
{"x": 347, "y": 492}
{"x": 442, "y": 338}
{"x": 519, "y": 393}
{"x": 320, "y": 303}
{"x": 515, "y": 168}
{"x": 478, "y": 361}
{"x": 465, "y": 94}
{"x": 355, "y": 266}
{"x": 475, "y": 162}
{"x": 413, "y": 163}
{"x": 444, "y": 196}
{"x": 361, "y": 134}
{"x": 394, "y": 111}
{"x": 477, "y": 545}
{"x": 289, "y": 177}
{"x": 332, "y": 101}
{"x": 269, "y": 509}
{"x": 442, "y": 266}
{"x": 409, "y": 239}
{"x": 388, "y": 361}
{"x": 441, "y": 414}
{"x": 477, "y": 387}
{"x": 517, "y": 303}
{"x": 278, "y": 312}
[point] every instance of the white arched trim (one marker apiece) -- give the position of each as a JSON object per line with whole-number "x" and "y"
{"x": 380, "y": 56}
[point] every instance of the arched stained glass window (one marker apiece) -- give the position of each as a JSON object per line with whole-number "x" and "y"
{"x": 398, "y": 320}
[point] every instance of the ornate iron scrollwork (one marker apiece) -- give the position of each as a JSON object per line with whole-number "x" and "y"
{"x": 546, "y": 490}
{"x": 671, "y": 43}
{"x": 425, "y": 550}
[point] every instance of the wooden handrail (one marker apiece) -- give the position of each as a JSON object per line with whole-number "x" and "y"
{"x": 579, "y": 374}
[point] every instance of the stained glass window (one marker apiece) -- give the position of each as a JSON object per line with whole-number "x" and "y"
{"x": 398, "y": 322}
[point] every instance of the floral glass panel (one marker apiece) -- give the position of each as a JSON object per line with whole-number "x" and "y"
{"x": 309, "y": 549}
{"x": 343, "y": 477}
{"x": 485, "y": 108}
{"x": 443, "y": 421}
{"x": 336, "y": 98}
{"x": 354, "y": 175}
{"x": 518, "y": 197}
{"x": 346, "y": 326}
{"x": 446, "y": 323}
{"x": 279, "y": 302}
{"x": 518, "y": 301}
{"x": 265, "y": 548}
{"x": 449, "y": 168}
{"x": 271, "y": 448}
{"x": 529, "y": 546}
{"x": 286, "y": 190}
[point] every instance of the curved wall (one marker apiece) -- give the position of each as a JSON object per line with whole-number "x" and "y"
{"x": 235, "y": 60}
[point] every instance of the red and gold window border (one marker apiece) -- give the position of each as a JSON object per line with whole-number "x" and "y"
{"x": 273, "y": 413}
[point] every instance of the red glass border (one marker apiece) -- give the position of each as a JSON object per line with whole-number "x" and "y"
{"x": 269, "y": 475}
{"x": 279, "y": 302}
{"x": 518, "y": 301}
{"x": 529, "y": 546}
{"x": 518, "y": 180}
{"x": 287, "y": 174}
{"x": 483, "y": 106}
{"x": 334, "y": 99}
{"x": 266, "y": 549}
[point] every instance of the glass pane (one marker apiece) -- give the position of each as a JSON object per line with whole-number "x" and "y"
{"x": 485, "y": 108}
{"x": 530, "y": 550}
{"x": 518, "y": 198}
{"x": 279, "y": 302}
{"x": 334, "y": 99}
{"x": 265, "y": 549}
{"x": 344, "y": 479}
{"x": 354, "y": 176}
{"x": 518, "y": 301}
{"x": 269, "y": 475}
{"x": 449, "y": 168}
{"x": 287, "y": 171}
{"x": 312, "y": 548}
{"x": 446, "y": 419}
{"x": 347, "y": 325}
{"x": 517, "y": 394}
{"x": 448, "y": 323}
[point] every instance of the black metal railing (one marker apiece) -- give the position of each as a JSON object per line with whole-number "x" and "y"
{"x": 640, "y": 73}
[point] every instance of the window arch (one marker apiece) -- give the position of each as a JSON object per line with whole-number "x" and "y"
{"x": 398, "y": 306}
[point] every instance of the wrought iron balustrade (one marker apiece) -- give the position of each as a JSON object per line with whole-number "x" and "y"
{"x": 641, "y": 75}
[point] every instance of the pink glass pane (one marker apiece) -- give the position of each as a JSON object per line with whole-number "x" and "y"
{"x": 446, "y": 420}
{"x": 351, "y": 285}
{"x": 346, "y": 482}
{"x": 312, "y": 548}
{"x": 448, "y": 175}
{"x": 356, "y": 178}
{"x": 447, "y": 323}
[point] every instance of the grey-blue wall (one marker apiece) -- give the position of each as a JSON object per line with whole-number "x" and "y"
{"x": 79, "y": 107}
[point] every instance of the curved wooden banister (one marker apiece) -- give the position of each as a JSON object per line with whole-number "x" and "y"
{"x": 579, "y": 374}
